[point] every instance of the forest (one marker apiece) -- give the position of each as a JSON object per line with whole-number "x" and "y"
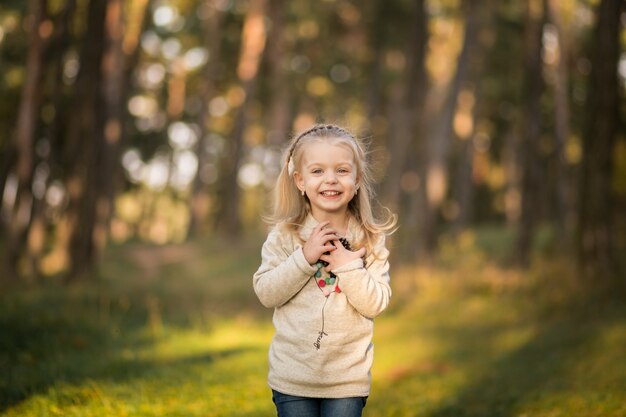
{"x": 476, "y": 113}
{"x": 140, "y": 135}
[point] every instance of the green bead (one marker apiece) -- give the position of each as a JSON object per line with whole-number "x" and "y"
{"x": 331, "y": 281}
{"x": 318, "y": 274}
{"x": 327, "y": 280}
{"x": 319, "y": 265}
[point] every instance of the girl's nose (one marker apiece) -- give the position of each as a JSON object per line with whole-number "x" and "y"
{"x": 331, "y": 177}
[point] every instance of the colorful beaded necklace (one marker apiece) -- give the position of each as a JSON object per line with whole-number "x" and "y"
{"x": 331, "y": 279}
{"x": 323, "y": 284}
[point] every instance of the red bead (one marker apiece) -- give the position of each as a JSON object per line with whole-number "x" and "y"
{"x": 321, "y": 283}
{"x": 337, "y": 289}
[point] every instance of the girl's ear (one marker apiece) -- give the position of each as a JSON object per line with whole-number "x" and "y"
{"x": 297, "y": 178}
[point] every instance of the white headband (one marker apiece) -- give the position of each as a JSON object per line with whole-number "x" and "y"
{"x": 290, "y": 167}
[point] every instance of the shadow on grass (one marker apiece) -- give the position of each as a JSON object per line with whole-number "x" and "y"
{"x": 56, "y": 340}
{"x": 535, "y": 369}
{"x": 499, "y": 382}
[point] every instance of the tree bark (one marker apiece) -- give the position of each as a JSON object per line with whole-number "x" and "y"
{"x": 596, "y": 219}
{"x": 85, "y": 135}
{"x": 377, "y": 39}
{"x": 113, "y": 90}
{"x": 530, "y": 155}
{"x": 464, "y": 184}
{"x": 24, "y": 139}
{"x": 280, "y": 108}
{"x": 563, "y": 186}
{"x": 406, "y": 115}
{"x": 213, "y": 34}
{"x": 441, "y": 134}
{"x": 252, "y": 47}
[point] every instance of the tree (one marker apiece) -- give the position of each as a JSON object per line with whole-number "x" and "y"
{"x": 440, "y": 136}
{"x": 27, "y": 122}
{"x": 596, "y": 219}
{"x": 84, "y": 139}
{"x": 279, "y": 107}
{"x": 531, "y": 131}
{"x": 252, "y": 48}
{"x": 213, "y": 33}
{"x": 407, "y": 104}
{"x": 562, "y": 186}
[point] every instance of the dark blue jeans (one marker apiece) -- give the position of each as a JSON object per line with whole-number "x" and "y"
{"x": 292, "y": 406}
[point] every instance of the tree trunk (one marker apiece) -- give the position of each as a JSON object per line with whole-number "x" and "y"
{"x": 464, "y": 184}
{"x": 530, "y": 155}
{"x": 470, "y": 110}
{"x": 377, "y": 40}
{"x": 406, "y": 109}
{"x": 24, "y": 139}
{"x": 280, "y": 108}
{"x": 114, "y": 95}
{"x": 252, "y": 47}
{"x": 563, "y": 186}
{"x": 440, "y": 139}
{"x": 213, "y": 33}
{"x": 596, "y": 222}
{"x": 84, "y": 138}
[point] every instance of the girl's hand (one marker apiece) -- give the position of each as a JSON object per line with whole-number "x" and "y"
{"x": 319, "y": 242}
{"x": 341, "y": 256}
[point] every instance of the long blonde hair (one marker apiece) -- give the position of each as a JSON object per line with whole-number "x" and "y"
{"x": 291, "y": 208}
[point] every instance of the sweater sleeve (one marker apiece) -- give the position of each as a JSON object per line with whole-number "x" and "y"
{"x": 367, "y": 288}
{"x": 281, "y": 274}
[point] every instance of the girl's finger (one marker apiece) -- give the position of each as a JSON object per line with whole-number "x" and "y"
{"x": 329, "y": 248}
{"x": 319, "y": 227}
{"x": 361, "y": 252}
{"x": 325, "y": 256}
{"x": 330, "y": 238}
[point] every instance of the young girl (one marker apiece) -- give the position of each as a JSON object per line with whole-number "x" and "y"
{"x": 325, "y": 272}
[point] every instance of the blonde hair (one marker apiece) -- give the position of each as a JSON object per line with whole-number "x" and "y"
{"x": 291, "y": 208}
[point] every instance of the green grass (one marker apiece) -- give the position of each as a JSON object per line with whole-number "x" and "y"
{"x": 177, "y": 331}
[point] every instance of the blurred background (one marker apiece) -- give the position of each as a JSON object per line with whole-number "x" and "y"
{"x": 140, "y": 140}
{"x": 158, "y": 120}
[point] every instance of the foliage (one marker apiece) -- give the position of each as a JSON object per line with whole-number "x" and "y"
{"x": 178, "y": 103}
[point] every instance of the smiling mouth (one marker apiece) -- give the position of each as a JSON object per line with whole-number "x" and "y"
{"x": 330, "y": 193}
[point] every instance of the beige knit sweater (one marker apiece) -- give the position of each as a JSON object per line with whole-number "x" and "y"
{"x": 303, "y": 359}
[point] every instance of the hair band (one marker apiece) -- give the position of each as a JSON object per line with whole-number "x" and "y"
{"x": 290, "y": 166}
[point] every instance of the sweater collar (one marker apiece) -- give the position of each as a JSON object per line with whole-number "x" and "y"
{"x": 353, "y": 234}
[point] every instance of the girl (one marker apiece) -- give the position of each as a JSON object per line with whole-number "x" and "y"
{"x": 325, "y": 272}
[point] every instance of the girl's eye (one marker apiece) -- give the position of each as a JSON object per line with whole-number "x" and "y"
{"x": 343, "y": 171}
{"x": 316, "y": 171}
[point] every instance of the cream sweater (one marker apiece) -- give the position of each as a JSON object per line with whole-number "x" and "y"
{"x": 303, "y": 359}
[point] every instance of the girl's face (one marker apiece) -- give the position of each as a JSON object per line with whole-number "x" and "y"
{"x": 327, "y": 174}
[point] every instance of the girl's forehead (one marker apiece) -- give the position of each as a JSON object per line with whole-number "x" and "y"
{"x": 319, "y": 151}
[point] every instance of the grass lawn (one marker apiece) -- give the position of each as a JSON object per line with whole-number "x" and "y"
{"x": 177, "y": 331}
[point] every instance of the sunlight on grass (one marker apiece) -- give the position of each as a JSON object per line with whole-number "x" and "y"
{"x": 177, "y": 331}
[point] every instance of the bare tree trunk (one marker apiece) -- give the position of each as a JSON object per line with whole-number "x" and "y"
{"x": 596, "y": 222}
{"x": 212, "y": 41}
{"x": 113, "y": 93}
{"x": 377, "y": 40}
{"x": 27, "y": 122}
{"x": 511, "y": 164}
{"x": 530, "y": 155}
{"x": 252, "y": 47}
{"x": 440, "y": 139}
{"x": 564, "y": 213}
{"x": 464, "y": 184}
{"x": 470, "y": 110}
{"x": 406, "y": 109}
{"x": 75, "y": 232}
{"x": 280, "y": 109}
